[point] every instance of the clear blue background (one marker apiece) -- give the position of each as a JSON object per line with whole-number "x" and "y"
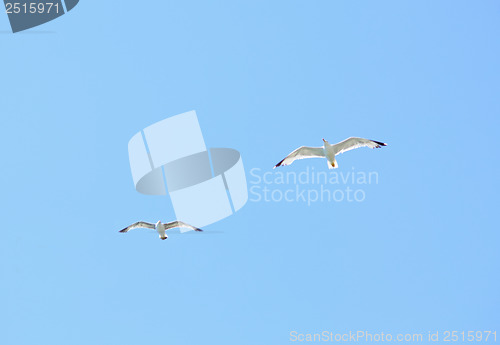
{"x": 419, "y": 254}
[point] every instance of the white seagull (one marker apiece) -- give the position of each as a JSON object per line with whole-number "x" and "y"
{"x": 160, "y": 227}
{"x": 329, "y": 151}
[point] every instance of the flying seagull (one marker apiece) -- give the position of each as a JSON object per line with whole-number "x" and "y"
{"x": 160, "y": 227}
{"x": 329, "y": 151}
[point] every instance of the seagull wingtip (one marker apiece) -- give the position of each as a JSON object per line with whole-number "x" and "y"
{"x": 379, "y": 143}
{"x": 279, "y": 164}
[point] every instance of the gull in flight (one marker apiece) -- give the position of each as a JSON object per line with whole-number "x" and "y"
{"x": 160, "y": 227}
{"x": 329, "y": 151}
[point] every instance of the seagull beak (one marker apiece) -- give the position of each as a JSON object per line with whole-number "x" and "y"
{"x": 324, "y": 140}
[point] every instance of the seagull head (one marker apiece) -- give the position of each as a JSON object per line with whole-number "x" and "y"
{"x": 158, "y": 223}
{"x": 325, "y": 141}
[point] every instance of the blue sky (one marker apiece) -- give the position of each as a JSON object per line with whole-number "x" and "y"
{"x": 419, "y": 254}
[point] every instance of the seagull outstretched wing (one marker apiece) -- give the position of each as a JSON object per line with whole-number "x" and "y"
{"x": 179, "y": 224}
{"x": 301, "y": 153}
{"x": 139, "y": 225}
{"x": 353, "y": 143}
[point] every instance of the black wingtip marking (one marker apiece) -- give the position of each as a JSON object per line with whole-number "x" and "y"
{"x": 279, "y": 164}
{"x": 379, "y": 143}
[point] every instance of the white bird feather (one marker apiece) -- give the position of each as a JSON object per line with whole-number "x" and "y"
{"x": 160, "y": 227}
{"x": 329, "y": 151}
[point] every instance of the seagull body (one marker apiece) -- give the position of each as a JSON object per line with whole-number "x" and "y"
{"x": 160, "y": 227}
{"x": 329, "y": 151}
